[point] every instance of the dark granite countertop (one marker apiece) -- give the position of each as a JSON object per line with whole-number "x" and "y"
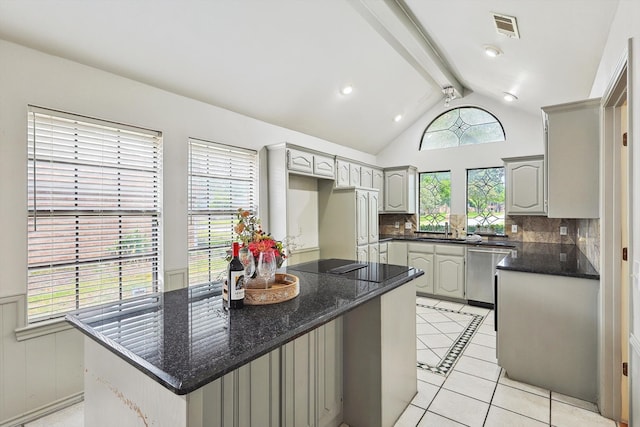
{"x": 542, "y": 258}
{"x": 418, "y": 237}
{"x": 549, "y": 258}
{"x": 185, "y": 339}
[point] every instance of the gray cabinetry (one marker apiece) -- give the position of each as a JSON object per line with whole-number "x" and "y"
{"x": 348, "y": 223}
{"x": 400, "y": 189}
{"x": 548, "y": 331}
{"x": 310, "y": 163}
{"x": 421, "y": 255}
{"x": 525, "y": 187}
{"x": 397, "y": 253}
{"x": 378, "y": 184}
{"x": 444, "y": 267}
{"x": 572, "y": 153}
{"x": 342, "y": 173}
{"x": 448, "y": 276}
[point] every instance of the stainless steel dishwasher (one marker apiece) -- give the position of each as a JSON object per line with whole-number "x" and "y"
{"x": 481, "y": 271}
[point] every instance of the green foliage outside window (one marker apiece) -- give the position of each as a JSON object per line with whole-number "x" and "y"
{"x": 485, "y": 200}
{"x": 435, "y": 200}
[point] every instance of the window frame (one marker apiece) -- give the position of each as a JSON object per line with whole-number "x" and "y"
{"x": 111, "y": 164}
{"x": 423, "y": 147}
{"x": 420, "y": 174}
{"x": 490, "y": 226}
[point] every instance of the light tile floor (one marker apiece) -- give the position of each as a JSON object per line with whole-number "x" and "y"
{"x": 476, "y": 391}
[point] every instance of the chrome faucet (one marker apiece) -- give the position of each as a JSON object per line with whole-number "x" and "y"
{"x": 446, "y": 230}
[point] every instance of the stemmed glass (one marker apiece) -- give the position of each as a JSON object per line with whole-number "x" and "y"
{"x": 266, "y": 266}
{"x": 248, "y": 262}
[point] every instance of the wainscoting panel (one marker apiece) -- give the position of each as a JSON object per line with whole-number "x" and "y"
{"x": 37, "y": 375}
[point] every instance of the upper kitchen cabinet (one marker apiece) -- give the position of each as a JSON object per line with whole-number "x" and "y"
{"x": 293, "y": 176}
{"x": 400, "y": 189}
{"x": 572, "y": 146}
{"x": 310, "y": 163}
{"x": 378, "y": 184}
{"x": 525, "y": 189}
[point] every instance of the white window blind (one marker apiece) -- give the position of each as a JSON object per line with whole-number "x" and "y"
{"x": 94, "y": 211}
{"x": 221, "y": 180}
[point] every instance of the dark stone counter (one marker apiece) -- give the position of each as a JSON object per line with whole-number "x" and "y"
{"x": 541, "y": 258}
{"x": 185, "y": 339}
{"x": 417, "y": 237}
{"x": 549, "y": 258}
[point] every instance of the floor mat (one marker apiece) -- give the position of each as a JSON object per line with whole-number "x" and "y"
{"x": 443, "y": 325}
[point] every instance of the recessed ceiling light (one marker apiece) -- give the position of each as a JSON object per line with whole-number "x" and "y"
{"x": 509, "y": 97}
{"x": 397, "y": 118}
{"x": 346, "y": 90}
{"x": 492, "y": 51}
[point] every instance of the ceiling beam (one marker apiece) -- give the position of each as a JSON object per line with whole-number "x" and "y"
{"x": 393, "y": 20}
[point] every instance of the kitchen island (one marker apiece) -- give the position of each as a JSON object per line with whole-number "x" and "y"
{"x": 180, "y": 359}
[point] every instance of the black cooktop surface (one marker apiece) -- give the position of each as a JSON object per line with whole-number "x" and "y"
{"x": 367, "y": 271}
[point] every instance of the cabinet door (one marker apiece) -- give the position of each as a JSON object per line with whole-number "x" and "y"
{"x": 299, "y": 161}
{"x": 362, "y": 253}
{"x": 449, "y": 276}
{"x": 323, "y": 166}
{"x": 423, "y": 261}
{"x": 366, "y": 177}
{"x": 329, "y": 384}
{"x": 373, "y": 217}
{"x": 378, "y": 184}
{"x": 374, "y": 253}
{"x": 525, "y": 187}
{"x": 383, "y": 258}
{"x": 354, "y": 175}
{"x": 395, "y": 191}
{"x": 572, "y": 149}
{"x": 362, "y": 217}
{"x": 299, "y": 381}
{"x": 342, "y": 173}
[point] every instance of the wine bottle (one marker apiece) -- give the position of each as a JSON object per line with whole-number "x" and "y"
{"x": 235, "y": 280}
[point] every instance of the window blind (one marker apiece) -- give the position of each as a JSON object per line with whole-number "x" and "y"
{"x": 94, "y": 212}
{"x": 222, "y": 179}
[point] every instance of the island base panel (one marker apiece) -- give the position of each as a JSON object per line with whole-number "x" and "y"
{"x": 380, "y": 373}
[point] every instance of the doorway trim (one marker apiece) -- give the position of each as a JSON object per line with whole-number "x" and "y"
{"x": 610, "y": 363}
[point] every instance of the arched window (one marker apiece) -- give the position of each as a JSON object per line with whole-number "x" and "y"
{"x": 462, "y": 126}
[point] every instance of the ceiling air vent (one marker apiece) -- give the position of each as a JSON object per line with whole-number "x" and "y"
{"x": 506, "y": 25}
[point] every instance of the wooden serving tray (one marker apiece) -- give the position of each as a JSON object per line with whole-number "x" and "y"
{"x": 285, "y": 287}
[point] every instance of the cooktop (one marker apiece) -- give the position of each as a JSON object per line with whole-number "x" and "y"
{"x": 367, "y": 271}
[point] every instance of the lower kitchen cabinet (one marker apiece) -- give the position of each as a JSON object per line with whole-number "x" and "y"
{"x": 420, "y": 255}
{"x": 383, "y": 249}
{"x": 547, "y": 331}
{"x": 368, "y": 253}
{"x": 397, "y": 253}
{"x": 312, "y": 378}
{"x": 449, "y": 276}
{"x": 444, "y": 267}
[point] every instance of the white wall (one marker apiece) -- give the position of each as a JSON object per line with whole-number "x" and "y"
{"x": 31, "y": 77}
{"x": 524, "y": 137}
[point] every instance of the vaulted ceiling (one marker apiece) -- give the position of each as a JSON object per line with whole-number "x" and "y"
{"x": 285, "y": 61}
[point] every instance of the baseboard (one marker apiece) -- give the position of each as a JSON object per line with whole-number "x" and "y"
{"x": 43, "y": 410}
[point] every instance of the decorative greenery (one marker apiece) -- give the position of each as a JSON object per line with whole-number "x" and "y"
{"x": 485, "y": 200}
{"x": 250, "y": 233}
{"x": 435, "y": 200}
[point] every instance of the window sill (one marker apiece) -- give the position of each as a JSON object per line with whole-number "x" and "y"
{"x": 42, "y": 328}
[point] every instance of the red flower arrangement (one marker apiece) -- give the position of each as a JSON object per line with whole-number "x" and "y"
{"x": 250, "y": 233}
